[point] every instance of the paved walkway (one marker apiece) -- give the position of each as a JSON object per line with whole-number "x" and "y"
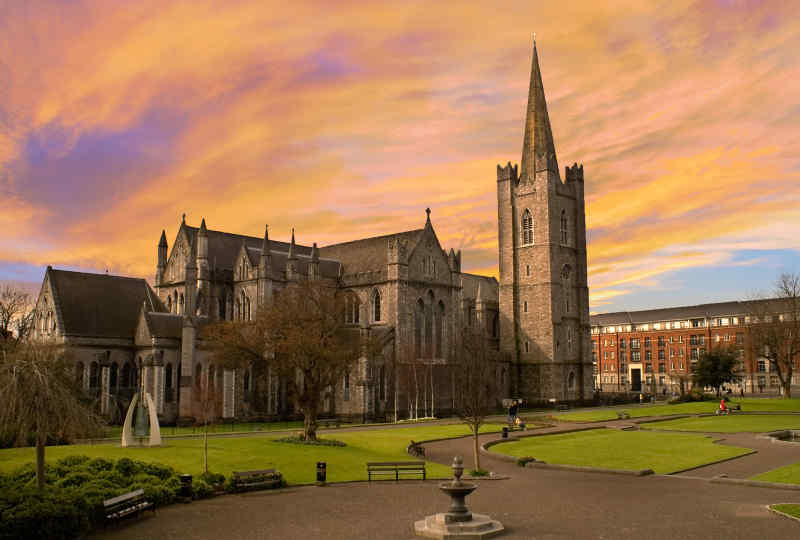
{"x": 532, "y": 504}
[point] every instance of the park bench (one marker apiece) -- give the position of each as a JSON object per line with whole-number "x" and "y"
{"x": 624, "y": 415}
{"x": 563, "y": 407}
{"x": 396, "y": 468}
{"x": 328, "y": 422}
{"x": 126, "y": 505}
{"x": 416, "y": 449}
{"x": 267, "y": 478}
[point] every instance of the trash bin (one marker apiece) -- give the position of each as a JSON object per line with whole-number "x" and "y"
{"x": 321, "y": 472}
{"x": 186, "y": 485}
{"x": 505, "y": 433}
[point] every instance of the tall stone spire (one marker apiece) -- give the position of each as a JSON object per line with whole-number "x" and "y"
{"x": 538, "y": 150}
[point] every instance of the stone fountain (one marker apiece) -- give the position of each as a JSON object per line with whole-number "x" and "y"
{"x": 458, "y": 522}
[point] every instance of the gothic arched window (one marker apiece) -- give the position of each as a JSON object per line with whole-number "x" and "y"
{"x": 94, "y": 375}
{"x": 112, "y": 376}
{"x": 564, "y": 227}
{"x": 429, "y": 307}
{"x": 565, "y": 286}
{"x": 376, "y": 305}
{"x": 351, "y": 308}
{"x": 125, "y": 379}
{"x": 527, "y": 228}
{"x": 571, "y": 380}
{"x": 439, "y": 330}
{"x": 169, "y": 304}
{"x": 419, "y": 315}
{"x": 168, "y": 377}
{"x": 180, "y": 305}
{"x": 79, "y": 374}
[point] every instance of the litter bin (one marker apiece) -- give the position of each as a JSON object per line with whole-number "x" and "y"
{"x": 505, "y": 433}
{"x": 322, "y": 469}
{"x": 186, "y": 485}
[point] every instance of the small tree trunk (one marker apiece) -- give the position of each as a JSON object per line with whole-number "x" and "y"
{"x": 475, "y": 428}
{"x": 205, "y": 448}
{"x": 787, "y": 387}
{"x": 310, "y": 424}
{"x": 40, "y": 440}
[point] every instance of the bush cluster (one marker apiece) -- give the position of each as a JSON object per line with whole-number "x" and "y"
{"x": 76, "y": 486}
{"x": 319, "y": 442}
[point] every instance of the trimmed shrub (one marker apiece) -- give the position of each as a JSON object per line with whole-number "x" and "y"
{"x": 72, "y": 503}
{"x": 522, "y": 461}
{"x": 201, "y": 490}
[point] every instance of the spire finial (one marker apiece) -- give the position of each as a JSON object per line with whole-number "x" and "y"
{"x": 428, "y": 212}
{"x": 183, "y": 219}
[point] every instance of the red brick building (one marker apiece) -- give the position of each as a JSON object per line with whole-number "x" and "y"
{"x": 642, "y": 351}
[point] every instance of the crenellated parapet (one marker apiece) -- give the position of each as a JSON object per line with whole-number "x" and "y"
{"x": 508, "y": 172}
{"x": 573, "y": 174}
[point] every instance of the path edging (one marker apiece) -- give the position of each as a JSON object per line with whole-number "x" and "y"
{"x": 754, "y": 483}
{"x": 784, "y": 514}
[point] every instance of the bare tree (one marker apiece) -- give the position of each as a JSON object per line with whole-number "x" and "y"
{"x": 40, "y": 398}
{"x": 775, "y": 329}
{"x": 303, "y": 337}
{"x": 208, "y": 409}
{"x": 475, "y": 376}
{"x": 15, "y": 312}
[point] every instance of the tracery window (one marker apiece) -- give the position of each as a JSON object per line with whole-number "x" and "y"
{"x": 527, "y": 228}
{"x": 376, "y": 305}
{"x": 564, "y": 227}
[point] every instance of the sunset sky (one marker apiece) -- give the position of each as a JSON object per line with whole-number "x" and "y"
{"x": 347, "y": 119}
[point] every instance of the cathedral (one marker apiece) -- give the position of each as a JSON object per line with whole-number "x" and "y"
{"x": 404, "y": 290}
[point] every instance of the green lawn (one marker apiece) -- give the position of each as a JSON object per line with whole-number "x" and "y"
{"x": 638, "y": 411}
{"x": 631, "y": 450}
{"x": 734, "y": 423}
{"x": 791, "y": 509}
{"x": 296, "y": 462}
{"x": 785, "y": 475}
{"x": 116, "y": 431}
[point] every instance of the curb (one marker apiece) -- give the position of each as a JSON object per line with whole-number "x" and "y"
{"x": 774, "y": 511}
{"x": 754, "y": 483}
{"x": 750, "y": 453}
{"x": 579, "y": 468}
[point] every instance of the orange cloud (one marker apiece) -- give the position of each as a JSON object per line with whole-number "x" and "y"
{"x": 348, "y": 122}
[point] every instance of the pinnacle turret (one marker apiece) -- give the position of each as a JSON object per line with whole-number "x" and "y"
{"x": 538, "y": 149}
{"x": 163, "y": 241}
{"x": 203, "y": 230}
{"x": 265, "y": 245}
{"x": 292, "y": 254}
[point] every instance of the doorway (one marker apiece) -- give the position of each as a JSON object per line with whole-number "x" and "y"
{"x": 636, "y": 380}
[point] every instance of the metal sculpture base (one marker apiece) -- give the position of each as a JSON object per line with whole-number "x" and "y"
{"x": 459, "y": 522}
{"x": 128, "y": 437}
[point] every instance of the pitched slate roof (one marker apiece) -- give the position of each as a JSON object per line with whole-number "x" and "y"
{"x": 718, "y": 309}
{"x": 368, "y": 254}
{"x": 169, "y": 325}
{"x": 100, "y": 305}
{"x": 489, "y": 288}
{"x": 223, "y": 247}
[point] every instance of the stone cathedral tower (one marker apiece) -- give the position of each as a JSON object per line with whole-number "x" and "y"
{"x": 544, "y": 297}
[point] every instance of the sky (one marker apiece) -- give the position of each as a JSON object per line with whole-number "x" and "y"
{"x": 347, "y": 119}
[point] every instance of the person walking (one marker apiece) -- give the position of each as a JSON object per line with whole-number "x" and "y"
{"x": 512, "y": 412}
